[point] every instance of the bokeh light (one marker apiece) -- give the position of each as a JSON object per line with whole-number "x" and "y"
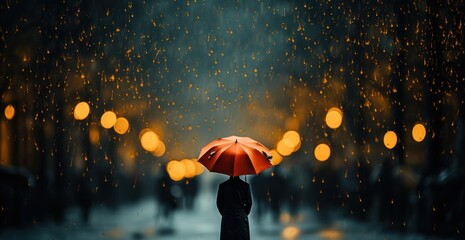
{"x": 276, "y": 157}
{"x": 333, "y": 234}
{"x": 293, "y": 137}
{"x": 160, "y": 149}
{"x": 390, "y": 139}
{"x": 322, "y": 152}
{"x": 189, "y": 165}
{"x": 176, "y": 170}
{"x": 334, "y": 118}
{"x": 108, "y": 119}
{"x": 9, "y": 112}
{"x": 419, "y": 132}
{"x": 143, "y": 131}
{"x": 149, "y": 141}
{"x": 290, "y": 233}
{"x": 285, "y": 147}
{"x": 94, "y": 135}
{"x": 199, "y": 168}
{"x": 81, "y": 111}
{"x": 121, "y": 125}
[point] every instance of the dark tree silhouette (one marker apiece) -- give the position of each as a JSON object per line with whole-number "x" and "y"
{"x": 355, "y": 78}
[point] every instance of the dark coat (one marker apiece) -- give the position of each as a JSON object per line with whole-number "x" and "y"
{"x": 234, "y": 202}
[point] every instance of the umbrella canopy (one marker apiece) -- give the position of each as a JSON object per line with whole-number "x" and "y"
{"x": 235, "y": 156}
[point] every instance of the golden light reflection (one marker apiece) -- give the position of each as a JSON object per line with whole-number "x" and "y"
{"x": 276, "y": 157}
{"x": 290, "y": 233}
{"x": 285, "y": 147}
{"x": 294, "y": 137}
{"x": 334, "y": 118}
{"x": 81, "y": 111}
{"x": 159, "y": 150}
{"x": 322, "y": 152}
{"x": 185, "y": 168}
{"x": 390, "y": 139}
{"x": 143, "y": 131}
{"x": 199, "y": 168}
{"x": 190, "y": 168}
{"x": 419, "y": 132}
{"x": 108, "y": 119}
{"x": 149, "y": 141}
{"x": 121, "y": 125}
{"x": 176, "y": 170}
{"x": 285, "y": 218}
{"x": 9, "y": 112}
{"x": 332, "y": 234}
{"x": 94, "y": 135}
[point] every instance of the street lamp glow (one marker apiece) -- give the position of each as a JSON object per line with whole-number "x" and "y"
{"x": 176, "y": 170}
{"x": 190, "y": 168}
{"x": 334, "y": 118}
{"x": 94, "y": 135}
{"x": 322, "y": 152}
{"x": 149, "y": 140}
{"x": 419, "y": 132}
{"x": 290, "y": 232}
{"x": 9, "y": 112}
{"x": 276, "y": 158}
{"x": 390, "y": 139}
{"x": 121, "y": 125}
{"x": 159, "y": 150}
{"x": 285, "y": 147}
{"x": 81, "y": 111}
{"x": 293, "y": 137}
{"x": 199, "y": 168}
{"x": 143, "y": 131}
{"x": 108, "y": 119}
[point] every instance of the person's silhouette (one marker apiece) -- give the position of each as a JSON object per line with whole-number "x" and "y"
{"x": 234, "y": 203}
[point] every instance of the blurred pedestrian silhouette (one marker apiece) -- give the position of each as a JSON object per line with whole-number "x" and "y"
{"x": 294, "y": 180}
{"x": 14, "y": 186}
{"x": 259, "y": 192}
{"x": 277, "y": 192}
{"x": 167, "y": 201}
{"x": 190, "y": 189}
{"x": 84, "y": 196}
{"x": 391, "y": 196}
{"x": 234, "y": 203}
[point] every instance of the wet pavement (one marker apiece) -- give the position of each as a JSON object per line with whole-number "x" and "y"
{"x": 138, "y": 221}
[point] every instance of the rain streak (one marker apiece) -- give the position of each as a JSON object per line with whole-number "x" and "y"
{"x": 120, "y": 119}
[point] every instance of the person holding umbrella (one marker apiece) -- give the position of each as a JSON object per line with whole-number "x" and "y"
{"x": 234, "y": 203}
{"x": 235, "y": 156}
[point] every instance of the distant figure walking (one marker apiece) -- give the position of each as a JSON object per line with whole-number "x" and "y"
{"x": 167, "y": 200}
{"x": 85, "y": 196}
{"x": 234, "y": 203}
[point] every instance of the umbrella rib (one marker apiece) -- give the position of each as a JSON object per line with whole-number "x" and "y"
{"x": 213, "y": 159}
{"x": 217, "y": 155}
{"x": 246, "y": 150}
{"x": 210, "y": 146}
{"x": 252, "y": 151}
{"x": 240, "y": 159}
{"x": 210, "y": 161}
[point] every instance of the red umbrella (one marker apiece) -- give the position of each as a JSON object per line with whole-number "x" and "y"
{"x": 235, "y": 156}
